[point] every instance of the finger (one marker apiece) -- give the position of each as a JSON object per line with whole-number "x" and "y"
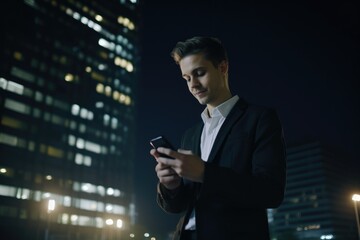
{"x": 168, "y": 162}
{"x": 183, "y": 151}
{"x": 165, "y": 173}
{"x": 169, "y": 152}
{"x": 154, "y": 153}
{"x": 161, "y": 166}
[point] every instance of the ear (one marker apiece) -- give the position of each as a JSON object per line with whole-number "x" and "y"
{"x": 224, "y": 66}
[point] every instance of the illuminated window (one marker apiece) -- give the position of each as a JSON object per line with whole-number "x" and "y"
{"x": 106, "y": 119}
{"x": 117, "y": 192}
{"x": 74, "y": 219}
{"x": 98, "y": 18}
{"x": 80, "y": 143}
{"x": 99, "y": 222}
{"x": 18, "y": 55}
{"x": 75, "y": 109}
{"x": 38, "y": 96}
{"x": 3, "y": 83}
{"x": 100, "y": 207}
{"x": 100, "y": 88}
{"x": 37, "y": 196}
{"x": 67, "y": 201}
{"x": 88, "y": 187}
{"x": 23, "y": 193}
{"x": 108, "y": 91}
{"x": 15, "y": 87}
{"x": 47, "y": 116}
{"x": 49, "y": 100}
{"x": 84, "y": 221}
{"x": 71, "y": 140}
{"x": 73, "y": 125}
{"x": 36, "y": 113}
{"x": 7, "y": 191}
{"x": 17, "y": 106}
{"x": 114, "y": 123}
{"x": 8, "y": 139}
{"x": 31, "y": 146}
{"x": 87, "y": 161}
{"x": 56, "y": 119}
{"x": 82, "y": 128}
{"x": 20, "y": 73}
{"x": 60, "y": 104}
{"x": 110, "y": 191}
{"x": 118, "y": 209}
{"x": 98, "y": 76}
{"x": 90, "y": 115}
{"x": 55, "y": 152}
{"x": 87, "y": 204}
{"x": 101, "y": 190}
{"x": 64, "y": 218}
{"x": 109, "y": 221}
{"x": 69, "y": 77}
{"x": 119, "y": 223}
{"x": 43, "y": 148}
{"x": 13, "y": 123}
{"x": 93, "y": 147}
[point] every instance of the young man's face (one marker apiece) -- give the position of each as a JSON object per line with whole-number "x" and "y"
{"x": 207, "y": 83}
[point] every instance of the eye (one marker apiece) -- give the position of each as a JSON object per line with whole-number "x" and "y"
{"x": 200, "y": 73}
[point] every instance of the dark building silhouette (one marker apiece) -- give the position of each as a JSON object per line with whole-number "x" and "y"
{"x": 68, "y": 81}
{"x": 317, "y": 202}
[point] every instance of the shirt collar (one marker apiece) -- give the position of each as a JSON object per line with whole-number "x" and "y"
{"x": 222, "y": 110}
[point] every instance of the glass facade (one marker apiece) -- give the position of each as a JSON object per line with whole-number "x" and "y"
{"x": 68, "y": 82}
{"x": 317, "y": 202}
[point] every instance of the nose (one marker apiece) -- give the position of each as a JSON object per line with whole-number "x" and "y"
{"x": 194, "y": 82}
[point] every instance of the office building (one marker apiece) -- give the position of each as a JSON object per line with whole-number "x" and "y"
{"x": 317, "y": 202}
{"x": 68, "y": 79}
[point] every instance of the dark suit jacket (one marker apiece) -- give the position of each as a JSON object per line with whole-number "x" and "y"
{"x": 244, "y": 175}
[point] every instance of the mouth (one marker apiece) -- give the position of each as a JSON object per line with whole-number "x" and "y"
{"x": 200, "y": 93}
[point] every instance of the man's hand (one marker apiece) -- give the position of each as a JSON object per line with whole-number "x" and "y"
{"x": 167, "y": 176}
{"x": 185, "y": 164}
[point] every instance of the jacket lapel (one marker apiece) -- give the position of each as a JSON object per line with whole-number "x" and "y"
{"x": 231, "y": 119}
{"x": 196, "y": 139}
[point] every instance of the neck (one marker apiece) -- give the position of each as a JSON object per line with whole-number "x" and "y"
{"x": 210, "y": 107}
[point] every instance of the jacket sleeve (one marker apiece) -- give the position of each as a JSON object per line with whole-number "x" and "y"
{"x": 179, "y": 200}
{"x": 264, "y": 185}
{"x": 172, "y": 201}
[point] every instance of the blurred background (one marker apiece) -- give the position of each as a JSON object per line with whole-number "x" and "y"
{"x": 85, "y": 84}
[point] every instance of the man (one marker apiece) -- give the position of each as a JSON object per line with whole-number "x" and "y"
{"x": 231, "y": 166}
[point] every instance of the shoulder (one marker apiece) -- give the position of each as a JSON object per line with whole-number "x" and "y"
{"x": 253, "y": 109}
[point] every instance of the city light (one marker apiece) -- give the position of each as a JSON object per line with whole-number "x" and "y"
{"x": 51, "y": 205}
{"x": 330, "y": 236}
{"x": 356, "y": 199}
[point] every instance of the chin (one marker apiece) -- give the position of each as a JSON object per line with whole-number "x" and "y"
{"x": 202, "y": 101}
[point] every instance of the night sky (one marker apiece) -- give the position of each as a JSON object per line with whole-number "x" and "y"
{"x": 301, "y": 59}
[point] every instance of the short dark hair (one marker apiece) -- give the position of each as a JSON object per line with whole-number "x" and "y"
{"x": 211, "y": 47}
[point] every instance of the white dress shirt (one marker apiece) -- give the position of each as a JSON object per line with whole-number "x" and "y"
{"x": 212, "y": 124}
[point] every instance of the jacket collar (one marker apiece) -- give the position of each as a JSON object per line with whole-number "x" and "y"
{"x": 235, "y": 113}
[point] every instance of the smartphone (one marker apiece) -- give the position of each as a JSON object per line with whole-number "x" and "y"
{"x": 161, "y": 141}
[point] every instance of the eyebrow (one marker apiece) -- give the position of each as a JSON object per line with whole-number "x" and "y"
{"x": 194, "y": 70}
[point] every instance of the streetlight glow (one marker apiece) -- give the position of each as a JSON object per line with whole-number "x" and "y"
{"x": 356, "y": 197}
